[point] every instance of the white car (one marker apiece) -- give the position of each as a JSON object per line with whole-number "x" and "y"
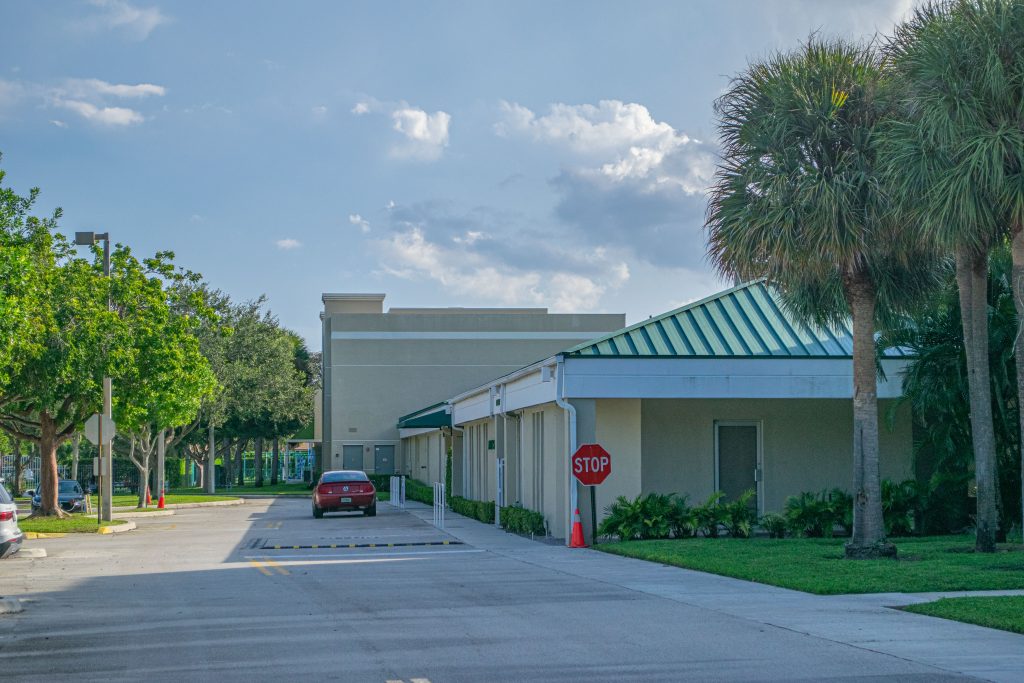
{"x": 10, "y": 535}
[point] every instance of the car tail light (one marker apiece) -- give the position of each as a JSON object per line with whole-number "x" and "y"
{"x": 6, "y": 515}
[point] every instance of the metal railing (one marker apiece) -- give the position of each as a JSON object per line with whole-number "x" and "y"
{"x": 397, "y": 495}
{"x": 439, "y": 504}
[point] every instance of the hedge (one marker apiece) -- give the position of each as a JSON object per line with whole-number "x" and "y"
{"x": 417, "y": 490}
{"x": 519, "y": 520}
{"x": 381, "y": 482}
{"x": 482, "y": 510}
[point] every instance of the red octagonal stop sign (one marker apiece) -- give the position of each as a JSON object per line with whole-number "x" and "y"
{"x": 591, "y": 464}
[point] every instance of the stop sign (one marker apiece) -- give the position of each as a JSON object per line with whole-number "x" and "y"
{"x": 591, "y": 464}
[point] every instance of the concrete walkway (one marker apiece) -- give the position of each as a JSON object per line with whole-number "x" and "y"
{"x": 863, "y": 621}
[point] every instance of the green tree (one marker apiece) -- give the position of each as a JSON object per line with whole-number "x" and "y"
{"x": 797, "y": 200}
{"x": 956, "y": 161}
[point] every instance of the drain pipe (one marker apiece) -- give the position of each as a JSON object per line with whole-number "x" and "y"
{"x": 462, "y": 456}
{"x": 571, "y": 410}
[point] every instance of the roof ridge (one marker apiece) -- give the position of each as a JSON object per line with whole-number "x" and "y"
{"x": 663, "y": 316}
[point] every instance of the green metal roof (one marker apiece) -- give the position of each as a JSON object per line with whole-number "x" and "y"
{"x": 434, "y": 416}
{"x": 744, "y": 321}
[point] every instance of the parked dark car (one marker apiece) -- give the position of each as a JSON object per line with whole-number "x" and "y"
{"x": 10, "y": 535}
{"x": 344, "y": 490}
{"x": 70, "y": 496}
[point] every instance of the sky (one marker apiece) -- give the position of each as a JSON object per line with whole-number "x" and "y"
{"x": 527, "y": 153}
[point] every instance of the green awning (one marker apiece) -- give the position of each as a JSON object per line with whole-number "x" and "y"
{"x": 304, "y": 434}
{"x": 434, "y": 417}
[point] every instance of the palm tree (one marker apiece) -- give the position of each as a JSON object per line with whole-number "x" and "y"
{"x": 797, "y": 200}
{"x": 957, "y": 166}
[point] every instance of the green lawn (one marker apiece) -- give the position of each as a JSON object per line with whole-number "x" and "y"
{"x": 73, "y": 524}
{"x": 171, "y": 498}
{"x": 1005, "y": 612}
{"x": 817, "y": 566}
{"x": 267, "y": 490}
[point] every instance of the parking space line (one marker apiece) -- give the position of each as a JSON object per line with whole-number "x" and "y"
{"x": 259, "y": 565}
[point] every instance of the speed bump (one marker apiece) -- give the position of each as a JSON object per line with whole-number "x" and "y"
{"x": 322, "y": 546}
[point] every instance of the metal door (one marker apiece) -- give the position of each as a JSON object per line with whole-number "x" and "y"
{"x": 738, "y": 458}
{"x": 384, "y": 459}
{"x": 352, "y": 457}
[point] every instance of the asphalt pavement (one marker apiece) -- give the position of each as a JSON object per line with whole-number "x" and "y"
{"x": 262, "y": 591}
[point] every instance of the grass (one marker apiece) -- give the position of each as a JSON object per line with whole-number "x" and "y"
{"x": 170, "y": 499}
{"x": 72, "y": 524}
{"x": 1002, "y": 612}
{"x": 266, "y": 490}
{"x": 938, "y": 563}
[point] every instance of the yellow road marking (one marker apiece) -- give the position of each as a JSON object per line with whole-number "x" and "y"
{"x": 277, "y": 547}
{"x": 295, "y": 547}
{"x": 314, "y": 546}
{"x": 333, "y": 546}
{"x": 444, "y": 543}
{"x": 351, "y": 545}
{"x": 280, "y": 570}
{"x": 273, "y": 525}
{"x": 391, "y": 545}
{"x": 259, "y": 565}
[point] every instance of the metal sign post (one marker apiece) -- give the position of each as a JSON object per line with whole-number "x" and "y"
{"x": 591, "y": 465}
{"x": 100, "y": 431}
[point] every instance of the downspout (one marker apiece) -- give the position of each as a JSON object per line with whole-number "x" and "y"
{"x": 451, "y": 411}
{"x": 571, "y": 410}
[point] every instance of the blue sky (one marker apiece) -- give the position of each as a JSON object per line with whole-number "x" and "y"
{"x": 445, "y": 153}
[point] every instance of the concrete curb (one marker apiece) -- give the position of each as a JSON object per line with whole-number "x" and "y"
{"x": 142, "y": 515}
{"x": 33, "y": 535}
{"x": 211, "y": 504}
{"x": 116, "y": 528}
{"x": 10, "y": 606}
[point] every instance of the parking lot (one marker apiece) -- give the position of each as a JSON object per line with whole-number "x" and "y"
{"x": 263, "y": 591}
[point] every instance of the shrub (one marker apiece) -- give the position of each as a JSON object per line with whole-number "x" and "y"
{"x": 841, "y": 504}
{"x": 810, "y": 515}
{"x": 738, "y": 517}
{"x": 381, "y": 482}
{"x": 645, "y": 517}
{"x": 774, "y": 524}
{"x": 682, "y": 520}
{"x": 899, "y": 503}
{"x": 519, "y": 520}
{"x": 709, "y": 515}
{"x": 482, "y": 510}
{"x": 417, "y": 490}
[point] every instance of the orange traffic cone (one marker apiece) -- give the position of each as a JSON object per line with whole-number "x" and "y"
{"x": 149, "y": 498}
{"x": 577, "y": 531}
{"x": 160, "y": 503}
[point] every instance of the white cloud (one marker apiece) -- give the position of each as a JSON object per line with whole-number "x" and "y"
{"x": 110, "y": 116}
{"x": 619, "y": 141}
{"x": 94, "y": 87}
{"x": 426, "y": 134}
{"x": 356, "y": 219}
{"x": 319, "y": 111}
{"x": 58, "y": 123}
{"x": 288, "y": 243}
{"x": 137, "y": 22}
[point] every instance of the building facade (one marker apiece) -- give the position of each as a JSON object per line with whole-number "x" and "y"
{"x": 380, "y": 365}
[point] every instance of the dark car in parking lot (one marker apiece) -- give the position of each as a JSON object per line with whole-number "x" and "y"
{"x": 70, "y": 496}
{"x": 344, "y": 490}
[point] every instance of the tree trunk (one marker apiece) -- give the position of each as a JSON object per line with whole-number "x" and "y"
{"x": 75, "y": 442}
{"x": 275, "y": 463}
{"x": 972, "y": 281}
{"x": 1017, "y": 278}
{"x": 19, "y": 469}
{"x": 48, "y": 484}
{"x": 868, "y": 539}
{"x": 258, "y": 460}
{"x": 240, "y": 461}
{"x": 209, "y": 472}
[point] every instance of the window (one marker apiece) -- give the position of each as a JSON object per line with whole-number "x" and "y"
{"x": 335, "y": 477}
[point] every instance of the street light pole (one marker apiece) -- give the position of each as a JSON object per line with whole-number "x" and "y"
{"x": 106, "y": 482}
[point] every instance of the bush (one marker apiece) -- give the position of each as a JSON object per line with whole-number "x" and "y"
{"x": 899, "y": 504}
{"x": 519, "y": 520}
{"x": 810, "y": 515}
{"x": 738, "y": 516}
{"x": 774, "y": 525}
{"x": 381, "y": 482}
{"x": 645, "y": 517}
{"x": 417, "y": 490}
{"x": 710, "y": 514}
{"x": 482, "y": 510}
{"x": 682, "y": 520}
{"x": 841, "y": 504}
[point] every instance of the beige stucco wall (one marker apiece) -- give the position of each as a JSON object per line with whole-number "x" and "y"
{"x": 618, "y": 430}
{"x": 807, "y": 445}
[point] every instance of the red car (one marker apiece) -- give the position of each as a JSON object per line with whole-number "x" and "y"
{"x": 344, "y": 490}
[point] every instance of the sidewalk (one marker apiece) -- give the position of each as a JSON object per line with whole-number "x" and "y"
{"x": 862, "y": 621}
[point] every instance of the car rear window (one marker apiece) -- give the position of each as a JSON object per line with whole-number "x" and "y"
{"x": 70, "y": 487}
{"x": 4, "y": 496}
{"x": 335, "y": 477}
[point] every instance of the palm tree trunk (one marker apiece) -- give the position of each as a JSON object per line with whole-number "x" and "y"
{"x": 1017, "y": 284}
{"x": 258, "y": 460}
{"x": 868, "y": 539}
{"x": 972, "y": 282}
{"x": 275, "y": 463}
